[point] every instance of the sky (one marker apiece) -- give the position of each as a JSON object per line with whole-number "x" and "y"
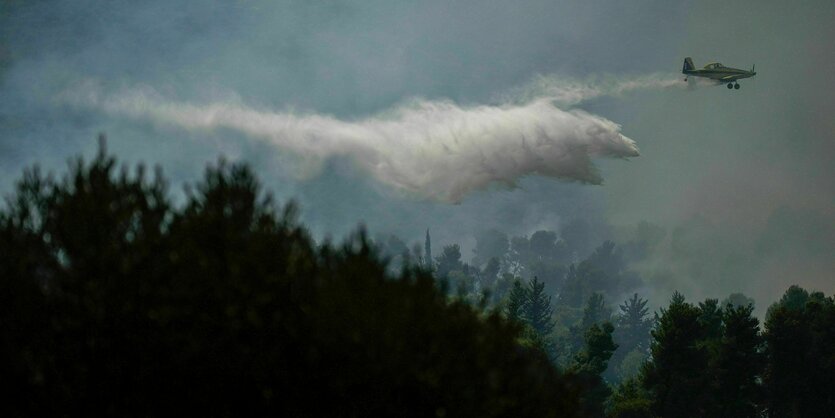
{"x": 461, "y": 117}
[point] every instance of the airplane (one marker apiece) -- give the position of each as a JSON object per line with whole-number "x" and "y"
{"x": 718, "y": 72}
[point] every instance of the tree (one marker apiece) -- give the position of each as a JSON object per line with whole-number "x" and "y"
{"x": 595, "y": 313}
{"x": 634, "y": 324}
{"x": 739, "y": 364}
{"x": 737, "y": 300}
{"x": 392, "y": 249}
{"x": 632, "y": 335}
{"x": 491, "y": 271}
{"x": 537, "y": 309}
{"x": 126, "y": 304}
{"x": 630, "y": 400}
{"x": 800, "y": 346}
{"x": 675, "y": 376}
{"x": 516, "y": 301}
{"x": 590, "y": 364}
{"x": 427, "y": 249}
{"x": 448, "y": 261}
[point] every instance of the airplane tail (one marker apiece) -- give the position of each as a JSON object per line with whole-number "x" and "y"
{"x": 688, "y": 65}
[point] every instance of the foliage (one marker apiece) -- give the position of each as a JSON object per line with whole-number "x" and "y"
{"x": 537, "y": 309}
{"x": 115, "y": 302}
{"x": 630, "y": 400}
{"x": 590, "y": 364}
{"x": 800, "y": 349}
{"x": 737, "y": 300}
{"x": 448, "y": 261}
{"x": 675, "y": 377}
{"x": 491, "y": 271}
{"x": 739, "y": 364}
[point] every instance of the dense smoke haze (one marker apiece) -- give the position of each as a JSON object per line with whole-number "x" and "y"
{"x": 462, "y": 118}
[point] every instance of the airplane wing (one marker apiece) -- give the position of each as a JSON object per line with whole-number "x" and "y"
{"x": 729, "y": 78}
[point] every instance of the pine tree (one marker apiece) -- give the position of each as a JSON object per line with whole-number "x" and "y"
{"x": 595, "y": 312}
{"x": 630, "y": 400}
{"x": 427, "y": 249}
{"x": 632, "y": 335}
{"x": 675, "y": 376}
{"x": 634, "y": 324}
{"x": 516, "y": 301}
{"x": 800, "y": 348}
{"x": 590, "y": 364}
{"x": 538, "y": 311}
{"x": 739, "y": 364}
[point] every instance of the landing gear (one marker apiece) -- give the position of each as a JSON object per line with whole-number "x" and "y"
{"x": 730, "y": 85}
{"x": 736, "y": 86}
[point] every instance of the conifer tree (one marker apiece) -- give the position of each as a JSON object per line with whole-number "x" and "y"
{"x": 427, "y": 249}
{"x": 590, "y": 363}
{"x": 537, "y": 310}
{"x": 739, "y": 364}
{"x": 675, "y": 376}
{"x": 800, "y": 348}
{"x": 516, "y": 301}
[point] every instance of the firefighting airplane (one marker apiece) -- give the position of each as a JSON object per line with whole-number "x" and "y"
{"x": 717, "y": 72}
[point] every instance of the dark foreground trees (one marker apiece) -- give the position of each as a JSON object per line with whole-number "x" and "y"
{"x": 115, "y": 301}
{"x": 800, "y": 348}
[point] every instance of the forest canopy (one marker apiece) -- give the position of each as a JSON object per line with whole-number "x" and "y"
{"x": 117, "y": 299}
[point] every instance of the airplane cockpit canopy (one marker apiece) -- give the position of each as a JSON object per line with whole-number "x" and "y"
{"x": 713, "y": 65}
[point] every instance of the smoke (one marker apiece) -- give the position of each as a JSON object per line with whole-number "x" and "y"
{"x": 436, "y": 150}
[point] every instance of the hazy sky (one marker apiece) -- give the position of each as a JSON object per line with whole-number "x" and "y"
{"x": 743, "y": 180}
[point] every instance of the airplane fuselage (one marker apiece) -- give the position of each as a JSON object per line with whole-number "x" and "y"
{"x": 718, "y": 72}
{"x": 725, "y": 74}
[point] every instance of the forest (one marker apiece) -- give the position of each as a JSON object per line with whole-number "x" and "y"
{"x": 118, "y": 298}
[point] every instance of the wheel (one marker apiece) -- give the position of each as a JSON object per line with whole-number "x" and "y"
{"x": 730, "y": 85}
{"x": 736, "y": 86}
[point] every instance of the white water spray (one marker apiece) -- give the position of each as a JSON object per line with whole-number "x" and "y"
{"x": 433, "y": 149}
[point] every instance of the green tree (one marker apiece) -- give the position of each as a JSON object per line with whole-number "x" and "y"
{"x": 675, "y": 375}
{"x": 516, "y": 301}
{"x": 537, "y": 309}
{"x": 630, "y": 400}
{"x": 595, "y": 313}
{"x": 590, "y": 364}
{"x": 632, "y": 335}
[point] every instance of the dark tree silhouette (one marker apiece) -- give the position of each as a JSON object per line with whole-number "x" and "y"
{"x": 800, "y": 341}
{"x": 114, "y": 301}
{"x": 537, "y": 310}
{"x": 675, "y": 376}
{"x": 632, "y": 333}
{"x": 739, "y": 364}
{"x": 590, "y": 364}
{"x": 448, "y": 261}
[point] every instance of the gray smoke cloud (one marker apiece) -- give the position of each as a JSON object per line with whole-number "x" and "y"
{"x": 724, "y": 172}
{"x": 432, "y": 149}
